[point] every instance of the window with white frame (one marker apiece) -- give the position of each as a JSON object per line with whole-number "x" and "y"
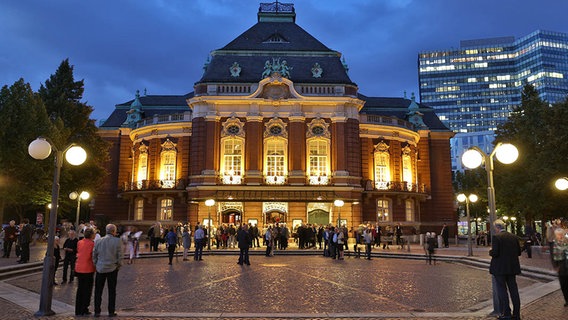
{"x": 407, "y": 167}
{"x": 168, "y": 164}
{"x": 166, "y": 209}
{"x": 409, "y": 209}
{"x": 232, "y": 160}
{"x": 382, "y": 166}
{"x": 139, "y": 209}
{"x": 318, "y": 161}
{"x": 275, "y": 161}
{"x": 142, "y": 166}
{"x": 383, "y": 210}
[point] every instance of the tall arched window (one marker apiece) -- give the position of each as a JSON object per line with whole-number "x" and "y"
{"x": 382, "y": 166}
{"x": 407, "y": 167}
{"x": 409, "y": 209}
{"x": 232, "y": 160}
{"x": 168, "y": 158}
{"x": 318, "y": 161}
{"x": 142, "y": 166}
{"x": 232, "y": 151}
{"x": 275, "y": 152}
{"x": 166, "y": 209}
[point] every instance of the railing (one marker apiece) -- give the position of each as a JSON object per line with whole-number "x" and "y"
{"x": 233, "y": 89}
{"x": 390, "y": 121}
{"x": 165, "y": 118}
{"x": 394, "y": 186}
{"x": 316, "y": 90}
{"x": 154, "y": 185}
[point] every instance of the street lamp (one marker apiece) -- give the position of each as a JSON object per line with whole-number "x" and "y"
{"x": 78, "y": 196}
{"x": 40, "y": 149}
{"x": 513, "y": 224}
{"x": 506, "y": 153}
{"x": 506, "y": 219}
{"x": 471, "y": 198}
{"x": 209, "y": 203}
{"x": 338, "y": 203}
{"x": 561, "y": 184}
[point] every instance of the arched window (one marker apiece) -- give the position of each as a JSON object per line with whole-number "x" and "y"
{"x": 232, "y": 160}
{"x": 139, "y": 209}
{"x": 409, "y": 209}
{"x": 382, "y": 166}
{"x": 168, "y": 164}
{"x": 142, "y": 166}
{"x": 166, "y": 209}
{"x": 407, "y": 167}
{"x": 383, "y": 210}
{"x": 318, "y": 161}
{"x": 275, "y": 161}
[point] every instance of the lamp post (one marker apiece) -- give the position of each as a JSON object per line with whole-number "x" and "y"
{"x": 471, "y": 198}
{"x": 506, "y": 153}
{"x": 209, "y": 203}
{"x": 40, "y": 149}
{"x": 513, "y": 224}
{"x": 338, "y": 203}
{"x": 78, "y": 196}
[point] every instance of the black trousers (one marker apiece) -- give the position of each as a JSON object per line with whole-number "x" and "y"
{"x": 564, "y": 286}
{"x": 25, "y": 252}
{"x": 171, "y": 251}
{"x": 8, "y": 247}
{"x": 198, "y": 249}
{"x": 69, "y": 261}
{"x": 509, "y": 282}
{"x": 244, "y": 255}
{"x": 100, "y": 280}
{"x": 85, "y": 283}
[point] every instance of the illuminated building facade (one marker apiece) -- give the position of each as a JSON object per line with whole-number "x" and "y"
{"x": 275, "y": 131}
{"x": 474, "y": 88}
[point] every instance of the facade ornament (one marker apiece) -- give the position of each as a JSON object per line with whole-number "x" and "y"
{"x": 276, "y": 66}
{"x": 235, "y": 70}
{"x": 168, "y": 145}
{"x": 414, "y": 115}
{"x": 134, "y": 114}
{"x": 345, "y": 66}
{"x": 318, "y": 128}
{"x": 275, "y": 127}
{"x": 233, "y": 127}
{"x": 382, "y": 147}
{"x": 406, "y": 150}
{"x": 317, "y": 70}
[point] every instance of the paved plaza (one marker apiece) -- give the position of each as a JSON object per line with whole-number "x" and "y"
{"x": 298, "y": 286}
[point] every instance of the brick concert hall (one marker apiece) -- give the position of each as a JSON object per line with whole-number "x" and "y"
{"x": 276, "y": 131}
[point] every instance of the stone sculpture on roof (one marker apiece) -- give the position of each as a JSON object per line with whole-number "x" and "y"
{"x": 281, "y": 68}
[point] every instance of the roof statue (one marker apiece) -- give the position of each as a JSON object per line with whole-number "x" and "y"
{"x": 235, "y": 70}
{"x": 276, "y": 66}
{"x": 414, "y": 115}
{"x": 134, "y": 113}
{"x": 317, "y": 70}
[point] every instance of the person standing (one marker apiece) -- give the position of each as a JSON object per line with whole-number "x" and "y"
{"x": 56, "y": 256}
{"x": 107, "y": 257}
{"x": 70, "y": 250}
{"x": 445, "y": 235}
{"x": 398, "y": 234}
{"x": 171, "y": 243}
{"x": 24, "y": 239}
{"x": 10, "y": 232}
{"x": 368, "y": 237}
{"x": 199, "y": 241}
{"x": 244, "y": 241}
{"x": 268, "y": 240}
{"x": 186, "y": 241}
{"x": 85, "y": 271}
{"x": 559, "y": 256}
{"x": 505, "y": 266}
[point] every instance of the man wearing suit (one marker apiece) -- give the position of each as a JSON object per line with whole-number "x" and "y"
{"x": 505, "y": 252}
{"x": 244, "y": 241}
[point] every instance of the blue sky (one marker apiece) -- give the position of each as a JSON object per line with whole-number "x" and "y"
{"x": 120, "y": 46}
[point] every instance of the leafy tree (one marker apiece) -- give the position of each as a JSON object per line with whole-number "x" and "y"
{"x": 24, "y": 181}
{"x": 473, "y": 182}
{"x": 525, "y": 186}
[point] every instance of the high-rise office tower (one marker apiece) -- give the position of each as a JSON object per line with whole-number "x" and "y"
{"x": 473, "y": 88}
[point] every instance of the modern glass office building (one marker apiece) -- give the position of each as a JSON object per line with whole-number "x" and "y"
{"x": 473, "y": 88}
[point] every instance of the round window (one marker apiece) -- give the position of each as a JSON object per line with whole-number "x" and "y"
{"x": 275, "y": 130}
{"x": 317, "y": 130}
{"x": 233, "y": 129}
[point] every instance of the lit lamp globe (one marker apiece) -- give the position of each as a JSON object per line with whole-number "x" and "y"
{"x": 76, "y": 155}
{"x": 338, "y": 203}
{"x": 561, "y": 184}
{"x": 39, "y": 149}
{"x": 461, "y": 197}
{"x": 472, "y": 159}
{"x": 473, "y": 198}
{"x": 507, "y": 153}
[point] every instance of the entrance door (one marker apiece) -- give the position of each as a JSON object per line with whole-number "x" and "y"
{"x": 231, "y": 217}
{"x": 319, "y": 217}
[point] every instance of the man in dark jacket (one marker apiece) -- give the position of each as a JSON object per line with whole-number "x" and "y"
{"x": 24, "y": 239}
{"x": 244, "y": 240}
{"x": 505, "y": 265}
{"x": 10, "y": 233}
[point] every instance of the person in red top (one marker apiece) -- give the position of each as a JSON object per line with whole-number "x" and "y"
{"x": 85, "y": 272}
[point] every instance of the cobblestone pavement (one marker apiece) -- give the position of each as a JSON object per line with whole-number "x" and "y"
{"x": 292, "y": 287}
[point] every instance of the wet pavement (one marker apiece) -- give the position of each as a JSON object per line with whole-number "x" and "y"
{"x": 298, "y": 286}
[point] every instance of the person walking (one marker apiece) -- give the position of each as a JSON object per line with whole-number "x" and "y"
{"x": 171, "y": 243}
{"x": 107, "y": 257}
{"x": 244, "y": 240}
{"x": 559, "y": 256}
{"x": 10, "y": 232}
{"x": 70, "y": 250}
{"x": 505, "y": 266}
{"x": 84, "y": 271}
{"x": 199, "y": 242}
{"x": 430, "y": 246}
{"x": 445, "y": 235}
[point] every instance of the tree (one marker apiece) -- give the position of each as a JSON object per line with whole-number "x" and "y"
{"x": 62, "y": 96}
{"x": 473, "y": 182}
{"x": 24, "y": 181}
{"x": 525, "y": 186}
